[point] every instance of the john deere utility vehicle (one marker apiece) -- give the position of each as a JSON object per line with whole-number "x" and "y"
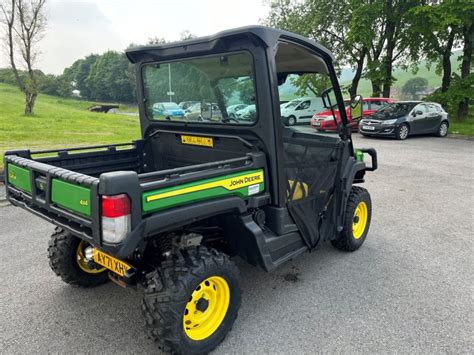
{"x": 165, "y": 213}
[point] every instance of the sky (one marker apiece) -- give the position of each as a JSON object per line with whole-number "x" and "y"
{"x": 78, "y": 28}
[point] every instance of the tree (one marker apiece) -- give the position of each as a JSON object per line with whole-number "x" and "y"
{"x": 331, "y": 24}
{"x": 76, "y": 75}
{"x": 466, "y": 76}
{"x": 439, "y": 28}
{"x": 25, "y": 23}
{"x": 108, "y": 78}
{"x": 413, "y": 86}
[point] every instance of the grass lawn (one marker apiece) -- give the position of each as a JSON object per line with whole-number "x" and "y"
{"x": 58, "y": 123}
{"x": 463, "y": 128}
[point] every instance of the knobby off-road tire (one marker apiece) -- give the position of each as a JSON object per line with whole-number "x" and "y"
{"x": 63, "y": 252}
{"x": 356, "y": 220}
{"x": 171, "y": 306}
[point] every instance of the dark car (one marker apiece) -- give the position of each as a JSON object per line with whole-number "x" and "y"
{"x": 404, "y": 118}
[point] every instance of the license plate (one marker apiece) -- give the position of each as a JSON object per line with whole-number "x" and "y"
{"x": 111, "y": 263}
{"x": 195, "y": 140}
{"x": 316, "y": 124}
{"x": 368, "y": 128}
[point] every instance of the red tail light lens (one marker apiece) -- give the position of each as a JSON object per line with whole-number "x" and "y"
{"x": 115, "y": 206}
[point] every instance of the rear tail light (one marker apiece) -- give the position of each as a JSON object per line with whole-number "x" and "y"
{"x": 116, "y": 218}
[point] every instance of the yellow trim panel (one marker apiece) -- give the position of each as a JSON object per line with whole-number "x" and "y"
{"x": 230, "y": 184}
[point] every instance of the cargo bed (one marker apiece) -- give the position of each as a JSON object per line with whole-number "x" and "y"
{"x": 64, "y": 186}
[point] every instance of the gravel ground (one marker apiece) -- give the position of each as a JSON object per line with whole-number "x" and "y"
{"x": 407, "y": 290}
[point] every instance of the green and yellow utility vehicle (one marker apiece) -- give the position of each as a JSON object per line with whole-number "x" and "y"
{"x": 165, "y": 213}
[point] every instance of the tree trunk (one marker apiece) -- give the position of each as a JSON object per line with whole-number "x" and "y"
{"x": 463, "y": 108}
{"x": 358, "y": 74}
{"x": 30, "y": 99}
{"x": 446, "y": 62}
{"x": 387, "y": 85}
{"x": 376, "y": 89}
{"x": 390, "y": 47}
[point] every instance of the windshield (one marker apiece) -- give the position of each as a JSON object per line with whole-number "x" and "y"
{"x": 215, "y": 85}
{"x": 397, "y": 108}
{"x": 293, "y": 103}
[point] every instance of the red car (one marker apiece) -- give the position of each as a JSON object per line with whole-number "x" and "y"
{"x": 323, "y": 121}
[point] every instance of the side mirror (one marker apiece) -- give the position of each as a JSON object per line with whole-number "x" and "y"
{"x": 356, "y": 108}
{"x": 418, "y": 112}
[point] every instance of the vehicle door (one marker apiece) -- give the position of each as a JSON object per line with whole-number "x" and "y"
{"x": 419, "y": 122}
{"x": 434, "y": 118}
{"x": 302, "y": 111}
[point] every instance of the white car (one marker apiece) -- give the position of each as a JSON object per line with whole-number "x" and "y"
{"x": 232, "y": 109}
{"x": 246, "y": 114}
{"x": 301, "y": 110}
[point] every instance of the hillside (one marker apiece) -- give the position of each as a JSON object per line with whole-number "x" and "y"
{"x": 288, "y": 90}
{"x": 58, "y": 123}
{"x": 434, "y": 79}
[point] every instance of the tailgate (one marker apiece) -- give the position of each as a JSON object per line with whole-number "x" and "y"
{"x": 66, "y": 198}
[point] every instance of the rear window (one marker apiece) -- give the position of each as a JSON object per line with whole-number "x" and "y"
{"x": 215, "y": 84}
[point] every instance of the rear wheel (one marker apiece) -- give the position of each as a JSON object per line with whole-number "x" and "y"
{"x": 67, "y": 259}
{"x": 402, "y": 131}
{"x": 356, "y": 220}
{"x": 443, "y": 129}
{"x": 191, "y": 302}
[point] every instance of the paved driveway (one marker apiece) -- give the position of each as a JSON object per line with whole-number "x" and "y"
{"x": 409, "y": 289}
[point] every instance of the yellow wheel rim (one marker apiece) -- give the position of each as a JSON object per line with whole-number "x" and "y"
{"x": 206, "y": 308}
{"x": 359, "y": 222}
{"x": 81, "y": 259}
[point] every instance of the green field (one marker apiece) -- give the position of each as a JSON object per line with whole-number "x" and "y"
{"x": 58, "y": 123}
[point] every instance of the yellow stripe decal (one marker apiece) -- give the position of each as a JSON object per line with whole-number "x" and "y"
{"x": 230, "y": 184}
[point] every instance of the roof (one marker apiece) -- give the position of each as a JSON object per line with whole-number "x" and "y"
{"x": 268, "y": 36}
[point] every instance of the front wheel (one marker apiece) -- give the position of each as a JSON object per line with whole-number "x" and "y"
{"x": 291, "y": 121}
{"x": 67, "y": 258}
{"x": 191, "y": 302}
{"x": 356, "y": 220}
{"x": 401, "y": 133}
{"x": 443, "y": 129}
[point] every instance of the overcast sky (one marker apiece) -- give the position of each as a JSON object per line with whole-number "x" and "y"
{"x": 77, "y": 28}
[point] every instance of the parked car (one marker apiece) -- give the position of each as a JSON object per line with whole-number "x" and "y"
{"x": 301, "y": 110}
{"x": 283, "y": 104}
{"x": 404, "y": 118}
{"x": 194, "y": 112}
{"x": 167, "y": 110}
{"x": 187, "y": 104}
{"x": 246, "y": 114}
{"x": 324, "y": 121}
{"x": 232, "y": 109}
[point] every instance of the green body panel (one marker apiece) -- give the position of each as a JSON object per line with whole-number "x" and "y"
{"x": 200, "y": 195}
{"x": 19, "y": 177}
{"x": 71, "y": 197}
{"x": 359, "y": 155}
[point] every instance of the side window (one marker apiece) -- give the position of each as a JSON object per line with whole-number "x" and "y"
{"x": 304, "y": 105}
{"x": 376, "y": 105}
{"x": 365, "y": 105}
{"x": 421, "y": 108}
{"x": 433, "y": 109}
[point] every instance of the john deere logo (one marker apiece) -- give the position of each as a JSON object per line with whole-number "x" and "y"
{"x": 84, "y": 203}
{"x": 12, "y": 176}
